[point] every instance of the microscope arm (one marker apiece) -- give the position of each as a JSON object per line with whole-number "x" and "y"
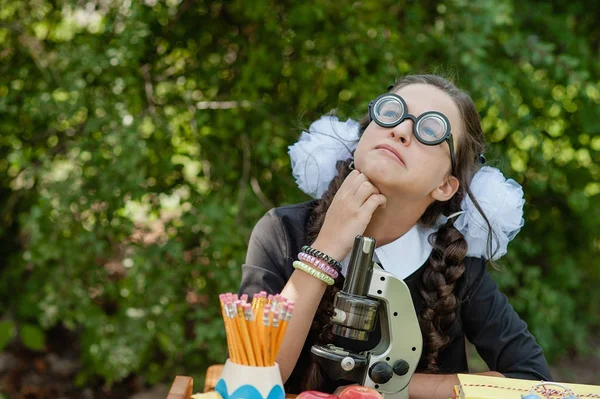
{"x": 401, "y": 341}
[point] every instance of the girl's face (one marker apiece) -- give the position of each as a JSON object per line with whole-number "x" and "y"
{"x": 398, "y": 164}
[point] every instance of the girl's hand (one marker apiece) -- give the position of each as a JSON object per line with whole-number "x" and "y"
{"x": 348, "y": 216}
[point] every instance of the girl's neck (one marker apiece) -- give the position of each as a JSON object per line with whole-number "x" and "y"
{"x": 392, "y": 222}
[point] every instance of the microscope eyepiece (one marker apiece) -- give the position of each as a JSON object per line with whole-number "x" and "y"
{"x": 360, "y": 268}
{"x": 355, "y": 314}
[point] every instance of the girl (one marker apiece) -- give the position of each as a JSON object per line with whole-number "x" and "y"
{"x": 412, "y": 179}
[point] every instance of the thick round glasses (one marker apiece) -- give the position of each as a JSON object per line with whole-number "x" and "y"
{"x": 430, "y": 128}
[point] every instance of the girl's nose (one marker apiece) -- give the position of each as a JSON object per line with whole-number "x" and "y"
{"x": 403, "y": 132}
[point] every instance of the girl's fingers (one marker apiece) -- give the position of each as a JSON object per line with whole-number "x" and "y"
{"x": 365, "y": 190}
{"x": 352, "y": 183}
{"x": 374, "y": 202}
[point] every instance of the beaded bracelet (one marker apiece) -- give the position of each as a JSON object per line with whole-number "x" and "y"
{"x": 316, "y": 262}
{"x": 316, "y": 253}
{"x": 313, "y": 272}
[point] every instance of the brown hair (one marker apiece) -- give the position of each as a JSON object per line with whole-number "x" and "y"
{"x": 444, "y": 266}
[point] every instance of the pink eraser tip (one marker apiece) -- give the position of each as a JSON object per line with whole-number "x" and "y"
{"x": 268, "y": 306}
{"x": 235, "y": 297}
{"x": 264, "y": 293}
{"x": 270, "y": 297}
{"x": 244, "y": 297}
{"x": 291, "y": 303}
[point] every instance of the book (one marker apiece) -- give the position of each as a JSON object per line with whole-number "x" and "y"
{"x": 473, "y": 386}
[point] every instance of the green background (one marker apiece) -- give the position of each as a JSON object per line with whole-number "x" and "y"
{"x": 140, "y": 141}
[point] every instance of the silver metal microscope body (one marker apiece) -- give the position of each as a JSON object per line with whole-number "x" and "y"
{"x": 370, "y": 293}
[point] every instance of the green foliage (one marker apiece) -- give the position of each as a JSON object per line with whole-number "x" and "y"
{"x": 32, "y": 337}
{"x": 141, "y": 141}
{"x": 7, "y": 333}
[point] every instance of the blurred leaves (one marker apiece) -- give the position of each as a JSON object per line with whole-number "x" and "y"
{"x": 32, "y": 337}
{"x": 141, "y": 140}
{"x": 7, "y": 332}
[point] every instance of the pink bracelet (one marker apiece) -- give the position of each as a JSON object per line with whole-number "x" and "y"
{"x": 316, "y": 262}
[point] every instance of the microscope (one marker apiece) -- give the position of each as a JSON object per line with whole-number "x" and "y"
{"x": 371, "y": 295}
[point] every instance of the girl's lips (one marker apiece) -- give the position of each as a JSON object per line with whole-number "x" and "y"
{"x": 391, "y": 152}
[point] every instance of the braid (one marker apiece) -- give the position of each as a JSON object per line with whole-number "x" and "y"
{"x": 445, "y": 266}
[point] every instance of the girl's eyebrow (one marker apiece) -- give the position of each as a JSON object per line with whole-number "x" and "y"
{"x": 409, "y": 112}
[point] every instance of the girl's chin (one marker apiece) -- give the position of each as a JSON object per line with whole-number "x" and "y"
{"x": 382, "y": 171}
{"x": 383, "y": 181}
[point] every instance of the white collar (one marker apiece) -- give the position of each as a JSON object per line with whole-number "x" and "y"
{"x": 403, "y": 256}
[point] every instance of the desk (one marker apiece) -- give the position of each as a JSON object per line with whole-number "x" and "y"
{"x": 182, "y": 388}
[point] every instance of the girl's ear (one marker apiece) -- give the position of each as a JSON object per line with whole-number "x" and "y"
{"x": 447, "y": 188}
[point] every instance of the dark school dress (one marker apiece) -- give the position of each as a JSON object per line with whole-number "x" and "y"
{"x": 484, "y": 316}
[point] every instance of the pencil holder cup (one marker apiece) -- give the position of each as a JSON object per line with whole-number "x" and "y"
{"x": 250, "y": 382}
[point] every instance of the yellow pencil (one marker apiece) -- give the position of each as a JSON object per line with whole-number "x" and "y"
{"x": 261, "y": 304}
{"x": 274, "y": 330}
{"x": 245, "y": 335}
{"x": 282, "y": 329}
{"x": 239, "y": 347}
{"x": 256, "y": 344}
{"x": 227, "y": 329}
{"x": 267, "y": 334}
{"x": 282, "y": 317}
{"x": 231, "y": 340}
{"x": 286, "y": 319}
{"x": 258, "y": 325}
{"x": 256, "y": 308}
{"x": 254, "y": 302}
{"x": 261, "y": 340}
{"x": 252, "y": 332}
{"x": 263, "y": 343}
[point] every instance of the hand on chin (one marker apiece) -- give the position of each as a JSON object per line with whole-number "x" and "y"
{"x": 383, "y": 175}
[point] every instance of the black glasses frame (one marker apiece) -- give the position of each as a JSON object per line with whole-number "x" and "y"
{"x": 416, "y": 122}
